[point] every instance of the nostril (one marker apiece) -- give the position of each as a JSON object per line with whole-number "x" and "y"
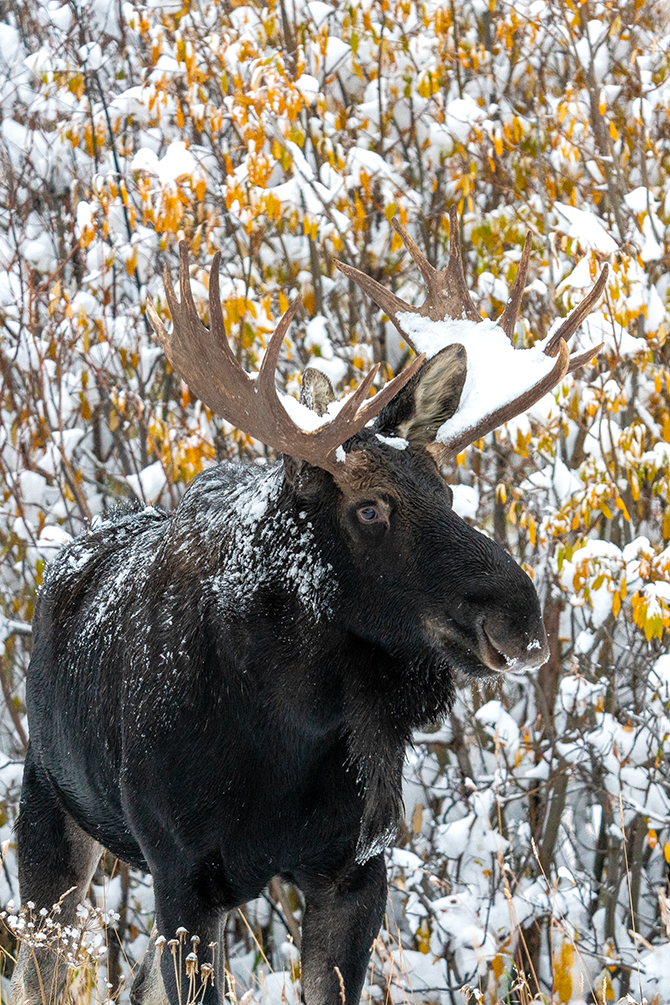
{"x": 501, "y": 653}
{"x": 517, "y": 648}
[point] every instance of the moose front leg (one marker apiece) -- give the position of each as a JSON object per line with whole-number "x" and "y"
{"x": 343, "y": 915}
{"x": 179, "y": 964}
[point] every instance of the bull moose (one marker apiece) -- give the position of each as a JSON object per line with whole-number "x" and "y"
{"x": 224, "y": 694}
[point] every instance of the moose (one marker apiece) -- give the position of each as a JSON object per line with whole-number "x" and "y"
{"x": 224, "y": 694}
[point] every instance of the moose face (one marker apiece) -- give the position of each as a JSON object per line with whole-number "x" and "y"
{"x": 422, "y": 578}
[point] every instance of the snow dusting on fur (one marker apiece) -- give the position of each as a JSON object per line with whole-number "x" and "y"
{"x": 229, "y": 529}
{"x": 258, "y": 542}
{"x": 367, "y": 849}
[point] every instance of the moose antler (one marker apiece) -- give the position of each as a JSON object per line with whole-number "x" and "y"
{"x": 205, "y": 360}
{"x": 448, "y": 296}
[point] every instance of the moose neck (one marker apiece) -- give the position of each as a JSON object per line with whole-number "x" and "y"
{"x": 260, "y": 551}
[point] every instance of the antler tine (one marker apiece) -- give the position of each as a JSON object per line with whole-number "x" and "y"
{"x": 428, "y": 271}
{"x": 585, "y": 357}
{"x": 350, "y": 407}
{"x": 207, "y": 363}
{"x": 266, "y": 375}
{"x": 170, "y": 294}
{"x": 513, "y": 408}
{"x": 184, "y": 278}
{"x": 385, "y": 299}
{"x": 156, "y": 323}
{"x": 573, "y": 321}
{"x": 389, "y": 391}
{"x": 509, "y": 316}
{"x": 217, "y": 325}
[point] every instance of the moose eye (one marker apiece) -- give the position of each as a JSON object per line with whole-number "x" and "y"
{"x": 368, "y": 514}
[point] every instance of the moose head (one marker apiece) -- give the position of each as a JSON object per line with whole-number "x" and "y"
{"x": 371, "y": 466}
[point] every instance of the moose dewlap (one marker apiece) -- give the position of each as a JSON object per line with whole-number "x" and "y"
{"x": 224, "y": 694}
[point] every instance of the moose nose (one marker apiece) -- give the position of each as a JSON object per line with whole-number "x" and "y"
{"x": 505, "y": 645}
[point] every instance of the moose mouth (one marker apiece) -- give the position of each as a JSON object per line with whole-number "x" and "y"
{"x": 481, "y": 653}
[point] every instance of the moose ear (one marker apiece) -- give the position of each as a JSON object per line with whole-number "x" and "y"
{"x": 430, "y": 398}
{"x": 316, "y": 391}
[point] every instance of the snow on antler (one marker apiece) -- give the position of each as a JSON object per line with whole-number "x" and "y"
{"x": 502, "y": 382}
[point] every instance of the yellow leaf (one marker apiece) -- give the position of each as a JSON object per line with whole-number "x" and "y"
{"x": 620, "y": 504}
{"x": 666, "y": 852}
{"x": 423, "y": 937}
{"x": 616, "y": 604}
{"x": 652, "y": 839}
{"x": 653, "y": 627}
{"x": 417, "y": 818}
{"x": 563, "y": 972}
{"x": 614, "y": 133}
{"x": 531, "y": 529}
{"x": 200, "y": 190}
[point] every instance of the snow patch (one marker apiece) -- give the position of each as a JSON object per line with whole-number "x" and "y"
{"x": 584, "y": 227}
{"x": 497, "y": 372}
